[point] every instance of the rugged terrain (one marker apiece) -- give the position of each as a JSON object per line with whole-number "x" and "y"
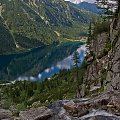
{"x": 100, "y": 85}
{"x": 103, "y": 71}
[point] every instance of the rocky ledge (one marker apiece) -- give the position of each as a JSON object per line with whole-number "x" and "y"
{"x": 41, "y": 113}
{"x": 103, "y": 107}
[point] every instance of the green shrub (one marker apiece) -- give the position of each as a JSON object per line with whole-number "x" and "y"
{"x": 101, "y": 27}
{"x": 6, "y": 104}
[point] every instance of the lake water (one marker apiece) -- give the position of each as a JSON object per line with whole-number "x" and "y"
{"x": 66, "y": 63}
{"x": 40, "y": 63}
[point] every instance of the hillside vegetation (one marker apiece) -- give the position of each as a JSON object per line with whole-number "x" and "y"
{"x": 33, "y": 23}
{"x": 6, "y": 39}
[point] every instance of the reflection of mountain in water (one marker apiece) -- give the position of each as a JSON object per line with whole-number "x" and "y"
{"x": 66, "y": 63}
{"x": 35, "y": 61}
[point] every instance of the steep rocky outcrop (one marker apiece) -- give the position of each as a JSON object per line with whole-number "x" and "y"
{"x": 103, "y": 107}
{"x": 103, "y": 70}
{"x": 113, "y": 75}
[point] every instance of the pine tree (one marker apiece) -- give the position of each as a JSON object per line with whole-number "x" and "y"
{"x": 76, "y": 60}
{"x": 89, "y": 33}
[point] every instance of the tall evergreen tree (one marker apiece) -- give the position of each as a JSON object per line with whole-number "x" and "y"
{"x": 89, "y": 33}
{"x": 76, "y": 60}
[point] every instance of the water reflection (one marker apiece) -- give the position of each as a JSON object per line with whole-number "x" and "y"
{"x": 66, "y": 63}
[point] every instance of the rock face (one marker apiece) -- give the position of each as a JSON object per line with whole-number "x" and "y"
{"x": 71, "y": 107}
{"x": 40, "y": 113}
{"x": 106, "y": 106}
{"x": 103, "y": 68}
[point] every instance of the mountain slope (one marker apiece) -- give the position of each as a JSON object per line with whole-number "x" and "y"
{"x": 22, "y": 19}
{"x": 34, "y": 23}
{"x": 4, "y": 41}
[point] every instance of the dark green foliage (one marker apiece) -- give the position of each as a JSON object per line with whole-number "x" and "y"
{"x": 76, "y": 59}
{"x": 118, "y": 33}
{"x": 103, "y": 77}
{"x": 6, "y": 39}
{"x": 21, "y": 19}
{"x": 101, "y": 27}
{"x": 108, "y": 45}
{"x": 90, "y": 37}
{"x": 26, "y": 42}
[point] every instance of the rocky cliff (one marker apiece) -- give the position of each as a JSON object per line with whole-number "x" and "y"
{"x": 103, "y": 70}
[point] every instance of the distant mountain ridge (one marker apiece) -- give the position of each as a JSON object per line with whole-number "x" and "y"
{"x": 75, "y": 1}
{"x": 87, "y": 6}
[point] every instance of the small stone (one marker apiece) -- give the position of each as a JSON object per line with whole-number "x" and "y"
{"x": 41, "y": 113}
{"x": 71, "y": 107}
{"x": 5, "y": 114}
